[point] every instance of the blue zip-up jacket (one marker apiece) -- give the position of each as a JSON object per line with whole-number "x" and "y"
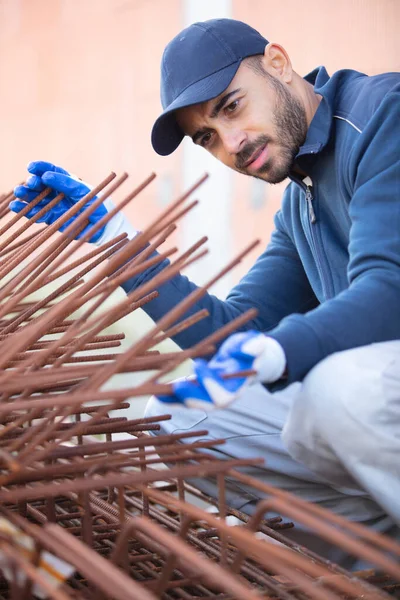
{"x": 329, "y": 280}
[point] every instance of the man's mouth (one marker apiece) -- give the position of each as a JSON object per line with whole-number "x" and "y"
{"x": 257, "y": 159}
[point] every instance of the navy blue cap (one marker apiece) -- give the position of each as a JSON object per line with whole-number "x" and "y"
{"x": 198, "y": 65}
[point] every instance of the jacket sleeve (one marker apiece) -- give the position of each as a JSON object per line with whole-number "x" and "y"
{"x": 276, "y": 285}
{"x": 368, "y": 310}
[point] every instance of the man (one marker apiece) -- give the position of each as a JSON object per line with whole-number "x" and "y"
{"x": 324, "y": 409}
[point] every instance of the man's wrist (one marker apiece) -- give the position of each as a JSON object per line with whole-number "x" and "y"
{"x": 117, "y": 225}
{"x": 271, "y": 363}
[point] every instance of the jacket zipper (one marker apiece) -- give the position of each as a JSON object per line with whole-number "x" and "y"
{"x": 316, "y": 241}
{"x": 309, "y": 200}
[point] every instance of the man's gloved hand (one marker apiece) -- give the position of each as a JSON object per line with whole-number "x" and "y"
{"x": 251, "y": 350}
{"x": 242, "y": 351}
{"x": 206, "y": 390}
{"x": 45, "y": 174}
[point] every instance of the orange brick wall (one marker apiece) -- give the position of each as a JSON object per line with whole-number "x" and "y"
{"x": 80, "y": 79}
{"x": 356, "y": 34}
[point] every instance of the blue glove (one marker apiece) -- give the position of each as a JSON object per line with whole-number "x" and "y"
{"x": 207, "y": 391}
{"x": 45, "y": 174}
{"x": 242, "y": 351}
{"x": 254, "y": 351}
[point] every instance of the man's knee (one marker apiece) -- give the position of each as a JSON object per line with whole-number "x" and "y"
{"x": 324, "y": 394}
{"x": 328, "y": 388}
{"x": 354, "y": 387}
{"x": 345, "y": 396}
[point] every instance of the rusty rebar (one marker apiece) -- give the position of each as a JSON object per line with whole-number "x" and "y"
{"x": 119, "y": 510}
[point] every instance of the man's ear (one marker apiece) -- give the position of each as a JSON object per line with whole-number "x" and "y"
{"x": 277, "y": 62}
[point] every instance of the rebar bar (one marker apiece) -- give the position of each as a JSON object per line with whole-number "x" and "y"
{"x": 120, "y": 514}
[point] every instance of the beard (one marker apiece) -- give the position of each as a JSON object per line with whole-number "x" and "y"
{"x": 290, "y": 125}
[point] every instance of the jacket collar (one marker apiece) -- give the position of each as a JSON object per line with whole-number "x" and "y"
{"x": 320, "y": 127}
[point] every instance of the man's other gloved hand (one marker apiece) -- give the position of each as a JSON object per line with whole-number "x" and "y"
{"x": 206, "y": 390}
{"x": 45, "y": 174}
{"x": 251, "y": 350}
{"x": 242, "y": 351}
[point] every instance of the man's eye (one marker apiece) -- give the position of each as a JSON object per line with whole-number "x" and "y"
{"x": 205, "y": 139}
{"x": 232, "y": 106}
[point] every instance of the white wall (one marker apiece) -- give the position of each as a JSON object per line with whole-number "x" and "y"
{"x": 213, "y": 216}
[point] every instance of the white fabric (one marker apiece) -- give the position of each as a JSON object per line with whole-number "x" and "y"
{"x": 270, "y": 362}
{"x": 340, "y": 446}
{"x": 117, "y": 225}
{"x": 345, "y": 422}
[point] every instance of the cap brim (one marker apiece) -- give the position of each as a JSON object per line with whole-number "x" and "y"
{"x": 166, "y": 134}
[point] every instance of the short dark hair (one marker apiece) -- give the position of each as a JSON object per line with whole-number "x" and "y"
{"x": 255, "y": 63}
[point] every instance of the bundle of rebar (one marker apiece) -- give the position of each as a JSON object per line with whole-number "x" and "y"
{"x": 93, "y": 505}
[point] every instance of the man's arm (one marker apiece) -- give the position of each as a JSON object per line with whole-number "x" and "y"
{"x": 369, "y": 310}
{"x": 276, "y": 285}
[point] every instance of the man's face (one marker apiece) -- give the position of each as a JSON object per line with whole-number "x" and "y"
{"x": 256, "y": 126}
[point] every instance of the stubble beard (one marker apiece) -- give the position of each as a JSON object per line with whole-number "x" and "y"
{"x": 290, "y": 124}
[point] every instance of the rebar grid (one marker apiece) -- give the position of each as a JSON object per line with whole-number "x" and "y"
{"x": 110, "y": 507}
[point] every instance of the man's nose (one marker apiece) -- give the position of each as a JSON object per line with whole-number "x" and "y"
{"x": 233, "y": 140}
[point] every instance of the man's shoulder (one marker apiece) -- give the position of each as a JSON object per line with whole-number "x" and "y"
{"x": 358, "y": 96}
